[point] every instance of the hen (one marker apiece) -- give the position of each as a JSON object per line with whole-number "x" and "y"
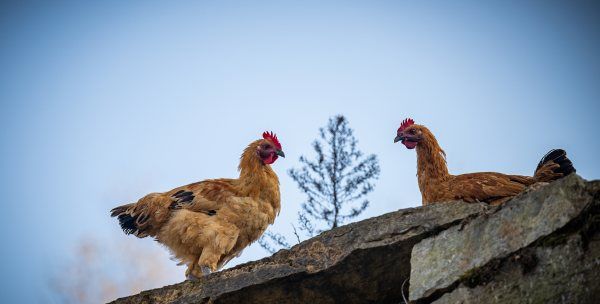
{"x": 206, "y": 224}
{"x": 437, "y": 185}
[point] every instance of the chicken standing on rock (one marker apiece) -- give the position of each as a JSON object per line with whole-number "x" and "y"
{"x": 437, "y": 185}
{"x": 206, "y": 224}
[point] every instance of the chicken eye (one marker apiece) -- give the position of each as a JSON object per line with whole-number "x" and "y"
{"x": 412, "y": 131}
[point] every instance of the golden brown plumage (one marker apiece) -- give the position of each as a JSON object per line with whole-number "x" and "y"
{"x": 206, "y": 224}
{"x": 438, "y": 185}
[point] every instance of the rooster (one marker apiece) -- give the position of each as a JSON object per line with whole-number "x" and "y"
{"x": 206, "y": 224}
{"x": 437, "y": 185}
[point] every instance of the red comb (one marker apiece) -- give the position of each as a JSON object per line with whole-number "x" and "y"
{"x": 272, "y": 137}
{"x": 405, "y": 123}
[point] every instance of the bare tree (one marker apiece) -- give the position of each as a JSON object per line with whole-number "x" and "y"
{"x": 335, "y": 182}
{"x": 271, "y": 241}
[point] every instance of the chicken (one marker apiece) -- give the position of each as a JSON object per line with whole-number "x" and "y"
{"x": 206, "y": 224}
{"x": 437, "y": 185}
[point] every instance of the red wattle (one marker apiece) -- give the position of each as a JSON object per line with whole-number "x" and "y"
{"x": 270, "y": 159}
{"x": 410, "y": 144}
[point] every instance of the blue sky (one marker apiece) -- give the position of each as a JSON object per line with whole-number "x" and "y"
{"x": 102, "y": 103}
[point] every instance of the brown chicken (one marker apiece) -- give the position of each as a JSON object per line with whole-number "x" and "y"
{"x": 206, "y": 224}
{"x": 437, "y": 185}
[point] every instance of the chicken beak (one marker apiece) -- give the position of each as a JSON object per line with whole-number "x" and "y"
{"x": 280, "y": 153}
{"x": 398, "y": 138}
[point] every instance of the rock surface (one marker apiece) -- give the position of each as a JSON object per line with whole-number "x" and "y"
{"x": 541, "y": 247}
{"x": 565, "y": 273}
{"x": 440, "y": 261}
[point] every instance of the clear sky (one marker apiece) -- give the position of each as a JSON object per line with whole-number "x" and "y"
{"x": 102, "y": 103}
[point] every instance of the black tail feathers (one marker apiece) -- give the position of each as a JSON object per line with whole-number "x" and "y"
{"x": 558, "y": 156}
{"x": 126, "y": 221}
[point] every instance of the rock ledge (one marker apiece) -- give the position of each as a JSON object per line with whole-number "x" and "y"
{"x": 541, "y": 247}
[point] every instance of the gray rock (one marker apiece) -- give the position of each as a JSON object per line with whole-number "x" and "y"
{"x": 566, "y": 273}
{"x": 439, "y": 262}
